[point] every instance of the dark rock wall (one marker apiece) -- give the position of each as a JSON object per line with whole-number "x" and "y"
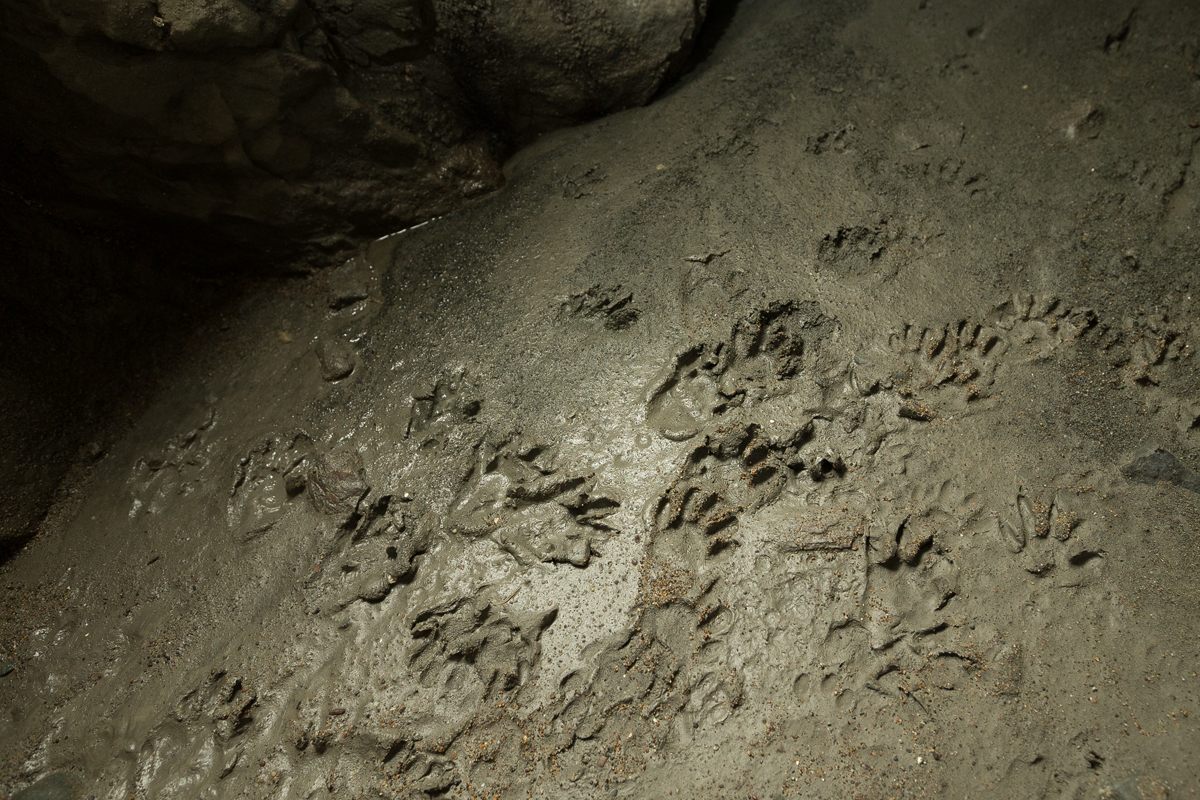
{"x": 92, "y": 307}
{"x": 316, "y": 120}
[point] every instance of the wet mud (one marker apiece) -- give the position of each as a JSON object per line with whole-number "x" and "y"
{"x": 828, "y": 428}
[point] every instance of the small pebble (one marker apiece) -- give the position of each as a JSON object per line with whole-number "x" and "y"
{"x": 337, "y": 359}
{"x": 348, "y": 285}
{"x": 916, "y": 410}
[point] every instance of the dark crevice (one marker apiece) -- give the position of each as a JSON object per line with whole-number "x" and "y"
{"x": 717, "y": 19}
{"x": 97, "y": 303}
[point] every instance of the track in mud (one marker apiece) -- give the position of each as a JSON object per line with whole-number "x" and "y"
{"x": 828, "y": 445}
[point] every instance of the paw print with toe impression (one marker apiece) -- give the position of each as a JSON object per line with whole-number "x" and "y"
{"x": 1037, "y": 325}
{"x": 1052, "y": 533}
{"x": 957, "y": 361}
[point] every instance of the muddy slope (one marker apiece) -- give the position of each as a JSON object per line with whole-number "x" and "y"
{"x": 828, "y": 428}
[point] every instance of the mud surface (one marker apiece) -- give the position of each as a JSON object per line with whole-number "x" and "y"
{"x": 828, "y": 428}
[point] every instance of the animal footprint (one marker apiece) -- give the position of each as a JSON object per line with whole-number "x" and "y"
{"x": 474, "y": 650}
{"x": 613, "y": 305}
{"x": 909, "y": 576}
{"x": 688, "y": 396}
{"x": 174, "y": 471}
{"x": 265, "y": 479}
{"x": 201, "y": 739}
{"x": 1051, "y": 534}
{"x": 962, "y": 356}
{"x": 959, "y": 362}
{"x": 1155, "y": 343}
{"x": 516, "y": 495}
{"x": 764, "y": 351}
{"x": 857, "y": 244}
{"x": 730, "y": 473}
{"x": 1040, "y": 324}
{"x": 450, "y": 397}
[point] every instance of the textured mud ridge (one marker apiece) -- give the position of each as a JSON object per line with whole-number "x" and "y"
{"x": 826, "y": 429}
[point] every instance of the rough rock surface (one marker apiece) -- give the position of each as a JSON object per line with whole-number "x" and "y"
{"x": 291, "y": 120}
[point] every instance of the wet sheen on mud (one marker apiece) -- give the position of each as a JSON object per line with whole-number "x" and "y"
{"x": 827, "y": 428}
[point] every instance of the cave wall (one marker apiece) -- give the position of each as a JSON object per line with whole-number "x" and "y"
{"x": 280, "y": 121}
{"x": 90, "y": 310}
